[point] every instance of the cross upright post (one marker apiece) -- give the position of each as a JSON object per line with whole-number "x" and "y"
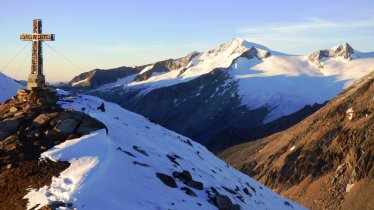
{"x": 36, "y": 78}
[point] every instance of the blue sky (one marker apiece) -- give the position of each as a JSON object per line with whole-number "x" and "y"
{"x": 112, "y": 33}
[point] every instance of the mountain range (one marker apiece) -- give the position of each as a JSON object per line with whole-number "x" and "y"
{"x": 230, "y": 91}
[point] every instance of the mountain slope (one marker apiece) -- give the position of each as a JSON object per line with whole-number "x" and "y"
{"x": 99, "y": 77}
{"x": 325, "y": 161}
{"x": 8, "y": 87}
{"x": 140, "y": 165}
{"x": 203, "y": 95}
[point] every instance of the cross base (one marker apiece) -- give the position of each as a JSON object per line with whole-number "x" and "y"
{"x": 36, "y": 82}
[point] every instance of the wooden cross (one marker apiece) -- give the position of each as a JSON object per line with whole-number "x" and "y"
{"x": 36, "y": 78}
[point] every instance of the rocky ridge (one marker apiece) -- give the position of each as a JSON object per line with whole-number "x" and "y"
{"x": 31, "y": 123}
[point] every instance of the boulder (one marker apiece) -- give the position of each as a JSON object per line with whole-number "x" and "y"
{"x": 186, "y": 178}
{"x": 222, "y": 202}
{"x": 10, "y": 143}
{"x": 167, "y": 180}
{"x": 189, "y": 192}
{"x": 89, "y": 125}
{"x": 67, "y": 126}
{"x": 9, "y": 125}
{"x": 195, "y": 184}
{"x": 44, "y": 118}
{"x": 66, "y": 115}
{"x": 13, "y": 109}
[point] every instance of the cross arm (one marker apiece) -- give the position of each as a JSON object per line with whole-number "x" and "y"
{"x": 37, "y": 37}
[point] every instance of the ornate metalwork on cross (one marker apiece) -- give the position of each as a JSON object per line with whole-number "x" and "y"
{"x": 36, "y": 78}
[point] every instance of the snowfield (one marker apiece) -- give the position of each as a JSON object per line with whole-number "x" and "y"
{"x": 9, "y": 87}
{"x": 117, "y": 169}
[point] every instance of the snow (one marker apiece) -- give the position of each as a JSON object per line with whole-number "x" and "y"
{"x": 147, "y": 68}
{"x": 350, "y": 113}
{"x": 8, "y": 87}
{"x": 79, "y": 82}
{"x": 102, "y": 174}
{"x": 120, "y": 82}
{"x": 286, "y": 84}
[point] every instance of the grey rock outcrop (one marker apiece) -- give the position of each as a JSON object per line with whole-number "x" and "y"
{"x": 344, "y": 51}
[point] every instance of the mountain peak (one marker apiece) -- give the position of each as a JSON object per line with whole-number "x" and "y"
{"x": 246, "y": 44}
{"x": 344, "y": 50}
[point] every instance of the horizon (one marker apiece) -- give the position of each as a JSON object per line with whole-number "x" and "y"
{"x": 136, "y": 36}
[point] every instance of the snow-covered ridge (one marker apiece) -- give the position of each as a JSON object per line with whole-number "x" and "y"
{"x": 121, "y": 169}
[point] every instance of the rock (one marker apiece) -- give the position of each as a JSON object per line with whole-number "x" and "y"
{"x": 101, "y": 107}
{"x": 89, "y": 125}
{"x": 167, "y": 180}
{"x": 13, "y": 109}
{"x": 138, "y": 149}
{"x": 63, "y": 116}
{"x": 33, "y": 97}
{"x": 44, "y": 118}
{"x": 186, "y": 178}
{"x": 9, "y": 125}
{"x": 49, "y": 134}
{"x": 19, "y": 114}
{"x": 222, "y": 202}
{"x": 189, "y": 192}
{"x": 195, "y": 184}
{"x": 67, "y": 126}
{"x": 11, "y": 143}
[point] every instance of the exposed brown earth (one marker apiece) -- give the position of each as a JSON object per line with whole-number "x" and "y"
{"x": 323, "y": 162}
{"x": 31, "y": 123}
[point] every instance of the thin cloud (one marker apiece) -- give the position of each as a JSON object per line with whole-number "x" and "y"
{"x": 312, "y": 34}
{"x": 123, "y": 47}
{"x": 309, "y": 24}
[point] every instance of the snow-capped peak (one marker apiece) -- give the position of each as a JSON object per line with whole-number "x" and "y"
{"x": 238, "y": 45}
{"x": 343, "y": 51}
{"x": 224, "y": 55}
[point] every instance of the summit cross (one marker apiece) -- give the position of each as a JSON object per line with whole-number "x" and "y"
{"x": 36, "y": 78}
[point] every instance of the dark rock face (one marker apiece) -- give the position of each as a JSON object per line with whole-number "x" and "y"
{"x": 232, "y": 136}
{"x": 316, "y": 161}
{"x": 199, "y": 109}
{"x": 36, "y": 125}
{"x": 98, "y": 77}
